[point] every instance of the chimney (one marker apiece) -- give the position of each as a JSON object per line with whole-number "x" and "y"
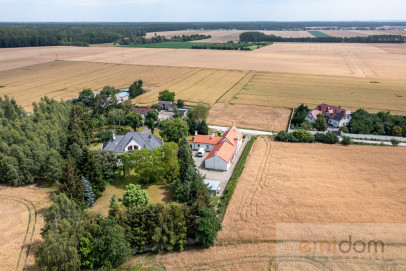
{"x": 212, "y": 135}
{"x": 149, "y": 138}
{"x": 195, "y": 133}
{"x": 238, "y": 137}
{"x": 215, "y": 154}
{"x": 114, "y": 137}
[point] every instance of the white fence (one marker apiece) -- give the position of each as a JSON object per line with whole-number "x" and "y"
{"x": 374, "y": 137}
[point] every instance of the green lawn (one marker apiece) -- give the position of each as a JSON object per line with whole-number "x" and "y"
{"x": 156, "y": 192}
{"x": 319, "y": 34}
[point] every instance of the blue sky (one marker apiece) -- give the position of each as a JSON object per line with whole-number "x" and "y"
{"x": 203, "y": 10}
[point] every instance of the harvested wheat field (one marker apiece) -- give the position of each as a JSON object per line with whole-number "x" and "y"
{"x": 259, "y": 256}
{"x": 358, "y": 60}
{"x": 281, "y": 90}
{"x": 20, "y": 225}
{"x": 65, "y": 79}
{"x": 249, "y": 116}
{"x": 314, "y": 183}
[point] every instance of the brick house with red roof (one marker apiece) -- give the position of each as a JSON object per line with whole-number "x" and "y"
{"x": 335, "y": 116}
{"x": 222, "y": 150}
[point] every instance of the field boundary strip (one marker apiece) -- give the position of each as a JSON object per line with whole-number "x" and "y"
{"x": 222, "y": 95}
{"x": 32, "y": 222}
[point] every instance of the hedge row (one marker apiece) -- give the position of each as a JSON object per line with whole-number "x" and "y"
{"x": 228, "y": 193}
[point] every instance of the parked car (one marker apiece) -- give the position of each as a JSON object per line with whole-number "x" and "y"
{"x": 201, "y": 152}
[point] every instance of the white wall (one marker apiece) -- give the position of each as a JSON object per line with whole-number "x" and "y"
{"x": 132, "y": 143}
{"x": 216, "y": 163}
{"x": 374, "y": 137}
{"x": 197, "y": 146}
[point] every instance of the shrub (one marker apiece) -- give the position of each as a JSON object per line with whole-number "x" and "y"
{"x": 104, "y": 135}
{"x": 303, "y": 136}
{"x": 346, "y": 141}
{"x": 328, "y": 138}
{"x": 344, "y": 129}
{"x": 394, "y": 142}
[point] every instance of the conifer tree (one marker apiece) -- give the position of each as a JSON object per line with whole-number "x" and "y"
{"x": 70, "y": 183}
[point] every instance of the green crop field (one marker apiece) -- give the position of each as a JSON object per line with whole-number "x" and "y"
{"x": 169, "y": 44}
{"x": 319, "y": 34}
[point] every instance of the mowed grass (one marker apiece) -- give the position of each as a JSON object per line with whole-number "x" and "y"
{"x": 156, "y": 193}
{"x": 319, "y": 34}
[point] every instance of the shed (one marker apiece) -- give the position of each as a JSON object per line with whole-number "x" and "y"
{"x": 214, "y": 187}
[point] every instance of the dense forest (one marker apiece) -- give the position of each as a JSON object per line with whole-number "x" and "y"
{"x": 261, "y": 37}
{"x": 83, "y": 34}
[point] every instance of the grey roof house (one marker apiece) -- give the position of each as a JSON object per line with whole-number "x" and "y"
{"x": 167, "y": 106}
{"x": 132, "y": 141}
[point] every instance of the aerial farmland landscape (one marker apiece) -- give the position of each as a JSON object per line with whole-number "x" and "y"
{"x": 260, "y": 135}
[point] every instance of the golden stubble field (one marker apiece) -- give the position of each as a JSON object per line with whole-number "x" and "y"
{"x": 20, "y": 225}
{"x": 65, "y": 79}
{"x": 249, "y": 116}
{"x": 359, "y": 60}
{"x": 302, "y": 183}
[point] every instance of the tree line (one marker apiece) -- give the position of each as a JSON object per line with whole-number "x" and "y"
{"x": 83, "y": 34}
{"x": 242, "y": 46}
{"x": 261, "y": 37}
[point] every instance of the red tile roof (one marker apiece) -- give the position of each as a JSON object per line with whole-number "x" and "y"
{"x": 206, "y": 139}
{"x": 224, "y": 150}
{"x": 228, "y": 145}
{"x": 232, "y": 134}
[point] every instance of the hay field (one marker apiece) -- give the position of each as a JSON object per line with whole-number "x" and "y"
{"x": 20, "y": 225}
{"x": 249, "y": 116}
{"x": 285, "y": 90}
{"x": 314, "y": 183}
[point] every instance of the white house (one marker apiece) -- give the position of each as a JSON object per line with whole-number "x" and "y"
{"x": 132, "y": 141}
{"x": 222, "y": 149}
{"x": 335, "y": 116}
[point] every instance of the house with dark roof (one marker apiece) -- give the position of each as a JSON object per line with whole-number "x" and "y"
{"x": 222, "y": 149}
{"x": 143, "y": 111}
{"x": 335, "y": 116}
{"x": 131, "y": 141}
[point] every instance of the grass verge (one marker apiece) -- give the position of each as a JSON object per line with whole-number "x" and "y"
{"x": 232, "y": 184}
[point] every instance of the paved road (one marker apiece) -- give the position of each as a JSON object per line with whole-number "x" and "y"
{"x": 244, "y": 131}
{"x": 377, "y": 142}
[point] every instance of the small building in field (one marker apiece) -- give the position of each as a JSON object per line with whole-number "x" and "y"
{"x": 167, "y": 106}
{"x": 222, "y": 149}
{"x": 122, "y": 97}
{"x": 214, "y": 187}
{"x": 335, "y": 116}
{"x": 131, "y": 141}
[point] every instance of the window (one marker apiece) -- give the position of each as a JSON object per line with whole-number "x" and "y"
{"x": 207, "y": 147}
{"x": 198, "y": 145}
{"x": 135, "y": 147}
{"x": 130, "y": 148}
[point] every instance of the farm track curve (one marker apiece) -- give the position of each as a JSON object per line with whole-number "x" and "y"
{"x": 29, "y": 234}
